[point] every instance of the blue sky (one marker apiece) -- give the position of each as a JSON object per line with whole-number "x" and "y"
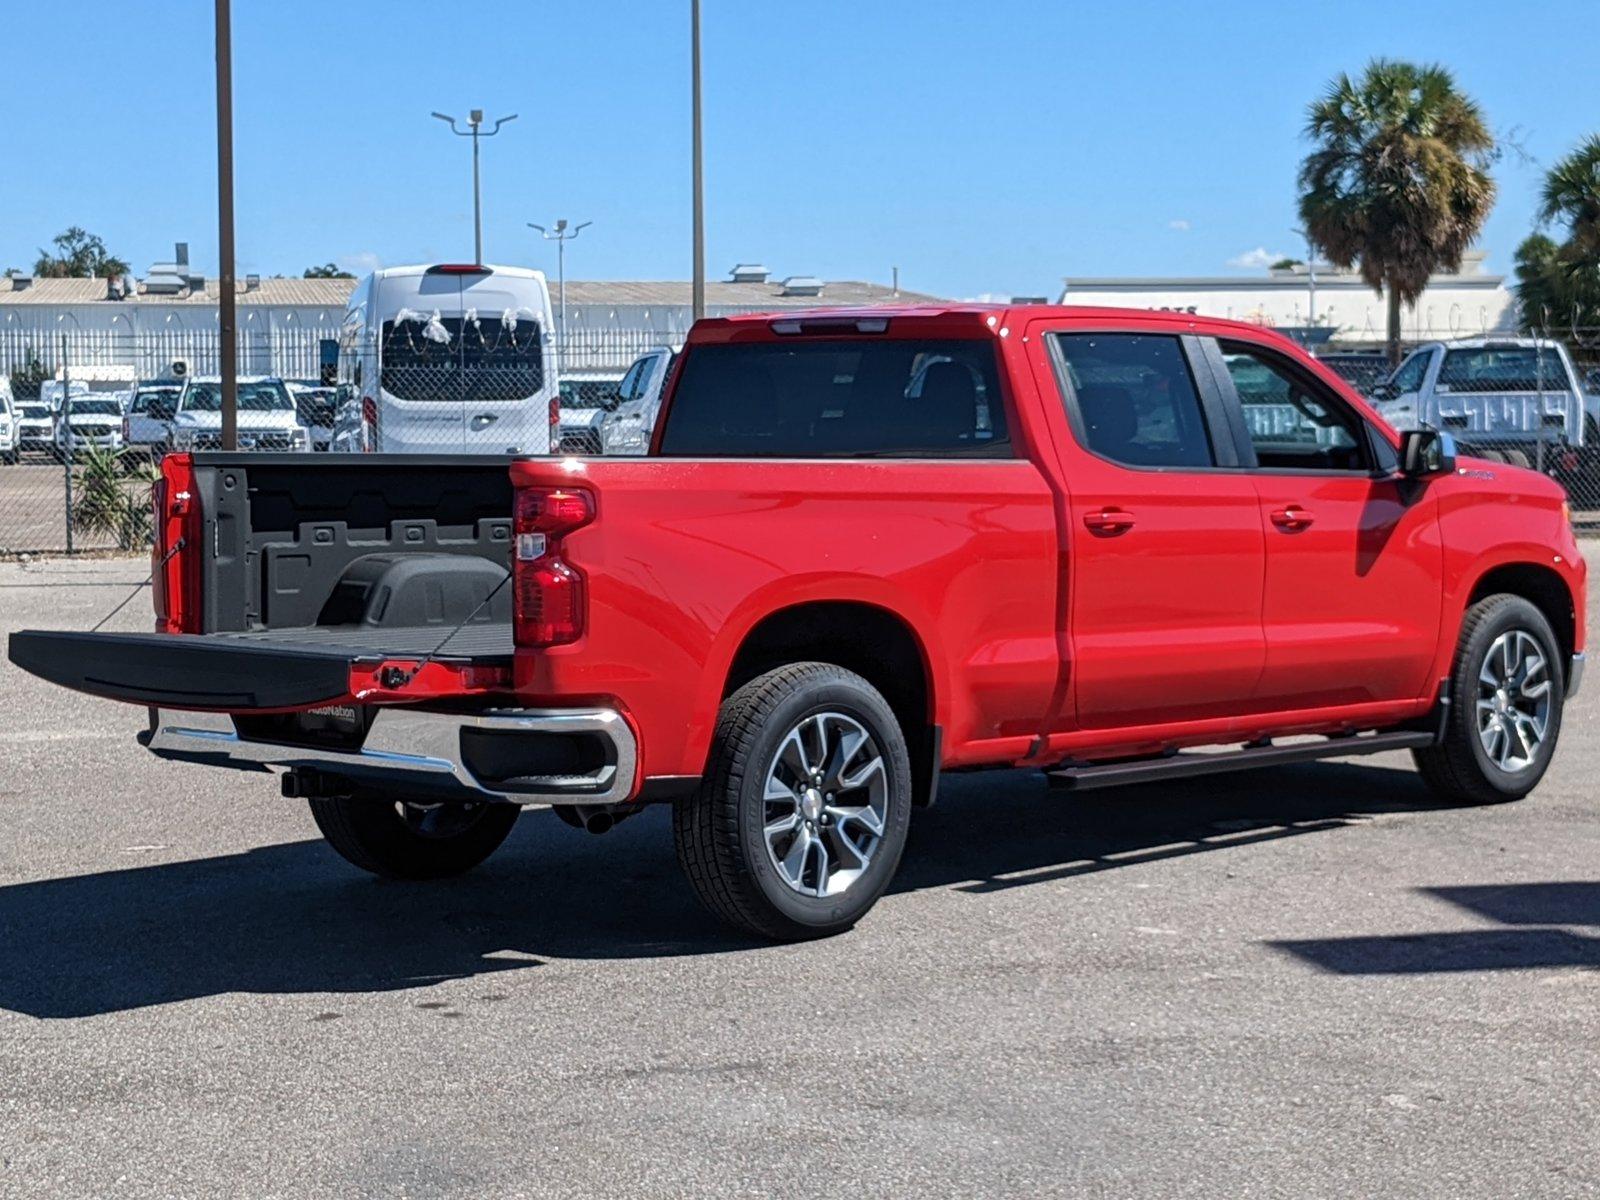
{"x": 981, "y": 147}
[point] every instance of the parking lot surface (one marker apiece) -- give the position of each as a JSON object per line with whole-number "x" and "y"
{"x": 1305, "y": 982}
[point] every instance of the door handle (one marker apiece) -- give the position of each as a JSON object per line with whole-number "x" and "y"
{"x": 1293, "y": 518}
{"x": 1109, "y": 520}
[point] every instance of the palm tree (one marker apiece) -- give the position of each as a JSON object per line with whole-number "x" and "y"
{"x": 1572, "y": 197}
{"x": 1398, "y": 185}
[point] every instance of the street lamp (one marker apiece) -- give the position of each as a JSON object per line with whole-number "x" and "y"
{"x": 561, "y": 235}
{"x": 475, "y": 131}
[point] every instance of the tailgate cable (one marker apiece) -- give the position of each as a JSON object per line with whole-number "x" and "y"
{"x": 395, "y": 678}
{"x": 138, "y": 587}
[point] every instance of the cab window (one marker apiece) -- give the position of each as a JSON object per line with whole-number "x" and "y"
{"x": 1409, "y": 377}
{"x": 1294, "y": 423}
{"x": 1136, "y": 401}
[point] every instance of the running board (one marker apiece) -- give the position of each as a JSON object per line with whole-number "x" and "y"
{"x": 1177, "y": 766}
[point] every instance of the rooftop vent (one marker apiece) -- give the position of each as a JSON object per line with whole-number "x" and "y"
{"x": 748, "y": 273}
{"x": 21, "y": 282}
{"x": 802, "y": 285}
{"x": 252, "y": 283}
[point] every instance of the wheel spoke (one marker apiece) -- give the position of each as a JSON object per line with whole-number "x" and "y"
{"x": 794, "y": 862}
{"x": 783, "y": 825}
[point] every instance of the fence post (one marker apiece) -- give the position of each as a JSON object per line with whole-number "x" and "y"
{"x": 66, "y": 416}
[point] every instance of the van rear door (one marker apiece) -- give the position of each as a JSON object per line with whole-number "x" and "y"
{"x": 503, "y": 372}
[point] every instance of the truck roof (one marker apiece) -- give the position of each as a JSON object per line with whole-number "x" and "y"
{"x": 969, "y": 319}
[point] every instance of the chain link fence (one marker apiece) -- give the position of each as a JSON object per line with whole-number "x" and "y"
{"x": 85, "y": 416}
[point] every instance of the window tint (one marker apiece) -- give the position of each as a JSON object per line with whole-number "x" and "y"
{"x": 461, "y": 359}
{"x": 839, "y": 399}
{"x": 630, "y": 382}
{"x": 1293, "y": 423}
{"x": 1503, "y": 369}
{"x": 1136, "y": 399}
{"x": 1409, "y": 377}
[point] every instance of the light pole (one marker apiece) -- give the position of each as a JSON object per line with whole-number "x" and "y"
{"x": 561, "y": 235}
{"x": 474, "y": 130}
{"x": 1311, "y": 275}
{"x": 226, "y": 314}
{"x": 699, "y": 285}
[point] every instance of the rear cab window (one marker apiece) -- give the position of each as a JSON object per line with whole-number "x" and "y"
{"x": 843, "y": 398}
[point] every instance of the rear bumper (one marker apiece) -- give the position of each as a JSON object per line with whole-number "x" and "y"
{"x": 519, "y": 756}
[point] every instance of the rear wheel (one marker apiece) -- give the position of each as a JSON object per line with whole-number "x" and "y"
{"x": 1506, "y": 692}
{"x": 799, "y": 824}
{"x": 407, "y": 839}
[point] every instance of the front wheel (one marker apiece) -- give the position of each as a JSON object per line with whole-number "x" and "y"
{"x": 406, "y": 839}
{"x": 1506, "y": 692}
{"x": 799, "y": 824}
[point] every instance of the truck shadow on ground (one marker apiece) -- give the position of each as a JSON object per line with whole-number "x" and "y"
{"x": 294, "y": 918}
{"x": 1527, "y": 934}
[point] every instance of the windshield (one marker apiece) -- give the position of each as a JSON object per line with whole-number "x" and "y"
{"x": 162, "y": 397}
{"x": 34, "y": 410}
{"x": 465, "y": 359}
{"x": 267, "y": 395}
{"x": 587, "y": 393}
{"x": 103, "y": 408}
{"x": 1503, "y": 369}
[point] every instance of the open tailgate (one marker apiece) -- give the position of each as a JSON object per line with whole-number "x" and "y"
{"x": 269, "y": 669}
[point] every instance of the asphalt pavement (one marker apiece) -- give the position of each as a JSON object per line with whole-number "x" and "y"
{"x": 1313, "y": 981}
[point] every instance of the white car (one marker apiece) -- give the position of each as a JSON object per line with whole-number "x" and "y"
{"x": 316, "y": 406}
{"x": 90, "y": 420}
{"x": 1514, "y": 400}
{"x": 8, "y": 425}
{"x": 267, "y": 418}
{"x": 147, "y": 422}
{"x": 627, "y": 428}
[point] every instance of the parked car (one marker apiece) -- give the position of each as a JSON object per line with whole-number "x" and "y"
{"x": 820, "y": 591}
{"x": 451, "y": 359}
{"x": 316, "y": 408}
{"x": 147, "y": 423}
{"x": 8, "y": 425}
{"x": 1514, "y": 400}
{"x": 585, "y": 403}
{"x": 36, "y": 426}
{"x": 1361, "y": 371}
{"x": 92, "y": 420}
{"x": 267, "y": 418}
{"x": 627, "y": 428}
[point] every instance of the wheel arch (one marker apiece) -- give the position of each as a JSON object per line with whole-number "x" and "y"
{"x": 1541, "y": 586}
{"x": 874, "y": 642}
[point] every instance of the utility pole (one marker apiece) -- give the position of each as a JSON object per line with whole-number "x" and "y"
{"x": 226, "y": 315}
{"x": 561, "y": 235}
{"x": 475, "y": 131}
{"x": 699, "y": 180}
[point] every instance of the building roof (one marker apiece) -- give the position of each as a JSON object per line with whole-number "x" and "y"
{"x": 1276, "y": 281}
{"x": 333, "y": 293}
{"x": 319, "y": 293}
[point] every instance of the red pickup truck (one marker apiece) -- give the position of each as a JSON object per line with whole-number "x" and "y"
{"x": 866, "y": 548}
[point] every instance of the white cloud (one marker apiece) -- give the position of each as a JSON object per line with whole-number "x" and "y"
{"x": 1181, "y": 225}
{"x": 362, "y": 262}
{"x": 1256, "y": 259}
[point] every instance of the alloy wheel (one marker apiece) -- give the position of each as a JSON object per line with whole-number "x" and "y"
{"x": 1513, "y": 710}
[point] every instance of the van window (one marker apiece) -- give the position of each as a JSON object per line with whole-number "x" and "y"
{"x": 456, "y": 360}
{"x": 852, "y": 398}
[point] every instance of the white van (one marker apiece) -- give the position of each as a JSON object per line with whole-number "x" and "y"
{"x": 450, "y": 359}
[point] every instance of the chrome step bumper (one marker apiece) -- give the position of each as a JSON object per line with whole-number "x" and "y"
{"x": 427, "y": 753}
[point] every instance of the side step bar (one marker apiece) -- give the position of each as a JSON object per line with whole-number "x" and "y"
{"x": 1178, "y": 766}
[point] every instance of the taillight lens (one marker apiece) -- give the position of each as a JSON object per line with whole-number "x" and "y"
{"x": 555, "y": 422}
{"x": 548, "y": 597}
{"x": 369, "y": 419}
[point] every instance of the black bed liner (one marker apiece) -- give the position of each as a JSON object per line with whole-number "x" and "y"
{"x": 264, "y": 669}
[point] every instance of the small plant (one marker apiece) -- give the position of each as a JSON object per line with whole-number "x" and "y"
{"x": 111, "y": 499}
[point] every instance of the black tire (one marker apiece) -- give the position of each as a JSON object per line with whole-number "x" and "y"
{"x": 720, "y": 832}
{"x": 412, "y": 841}
{"x": 1460, "y": 768}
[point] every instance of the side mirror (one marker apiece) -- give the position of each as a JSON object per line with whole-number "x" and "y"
{"x": 1427, "y": 452}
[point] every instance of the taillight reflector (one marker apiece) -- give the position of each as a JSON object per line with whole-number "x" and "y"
{"x": 548, "y": 594}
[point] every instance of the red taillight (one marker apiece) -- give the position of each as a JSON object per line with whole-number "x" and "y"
{"x": 555, "y": 422}
{"x": 548, "y": 593}
{"x": 369, "y": 418}
{"x": 459, "y": 269}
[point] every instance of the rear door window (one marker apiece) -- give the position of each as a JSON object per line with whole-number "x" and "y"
{"x": 1135, "y": 398}
{"x": 847, "y": 398}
